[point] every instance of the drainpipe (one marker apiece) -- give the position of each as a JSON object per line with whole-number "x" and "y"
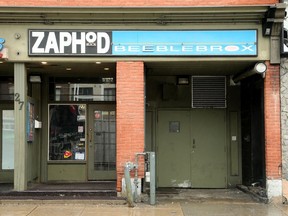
{"x": 152, "y": 178}
{"x": 131, "y": 198}
{"x": 151, "y": 168}
{"x": 136, "y": 174}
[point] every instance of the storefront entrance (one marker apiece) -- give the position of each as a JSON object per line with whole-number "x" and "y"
{"x": 191, "y": 148}
{"x": 102, "y": 142}
{"x": 82, "y": 129}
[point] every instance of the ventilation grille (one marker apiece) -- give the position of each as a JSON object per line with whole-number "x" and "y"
{"x": 208, "y": 92}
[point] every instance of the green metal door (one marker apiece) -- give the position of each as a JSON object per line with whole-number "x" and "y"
{"x": 191, "y": 148}
{"x": 173, "y": 155}
{"x": 208, "y": 155}
{"x": 102, "y": 142}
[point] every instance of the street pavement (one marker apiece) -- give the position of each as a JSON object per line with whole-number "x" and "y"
{"x": 180, "y": 204}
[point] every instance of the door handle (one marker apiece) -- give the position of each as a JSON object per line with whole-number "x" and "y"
{"x": 90, "y": 136}
{"x": 194, "y": 144}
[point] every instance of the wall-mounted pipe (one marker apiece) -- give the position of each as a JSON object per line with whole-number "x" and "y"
{"x": 136, "y": 174}
{"x": 129, "y": 166}
{"x": 259, "y": 68}
{"x": 152, "y": 178}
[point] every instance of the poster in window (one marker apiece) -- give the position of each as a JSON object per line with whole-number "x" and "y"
{"x": 30, "y": 122}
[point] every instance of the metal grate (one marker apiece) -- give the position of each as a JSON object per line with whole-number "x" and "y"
{"x": 208, "y": 92}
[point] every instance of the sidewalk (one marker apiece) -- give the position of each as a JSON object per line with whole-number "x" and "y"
{"x": 194, "y": 203}
{"x": 161, "y": 209}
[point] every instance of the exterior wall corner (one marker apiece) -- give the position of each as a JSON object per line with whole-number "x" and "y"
{"x": 274, "y": 190}
{"x": 273, "y": 132}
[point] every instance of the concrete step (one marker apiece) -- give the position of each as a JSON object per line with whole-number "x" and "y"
{"x": 102, "y": 190}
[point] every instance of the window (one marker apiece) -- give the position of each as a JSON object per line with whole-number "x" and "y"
{"x": 6, "y": 90}
{"x": 109, "y": 94}
{"x": 68, "y": 90}
{"x": 67, "y": 132}
{"x": 8, "y": 136}
{"x": 105, "y": 140}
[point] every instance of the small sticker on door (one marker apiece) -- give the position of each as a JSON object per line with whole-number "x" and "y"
{"x": 80, "y": 129}
{"x": 174, "y": 126}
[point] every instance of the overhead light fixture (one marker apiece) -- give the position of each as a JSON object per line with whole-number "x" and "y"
{"x": 268, "y": 21}
{"x": 68, "y": 69}
{"x": 106, "y": 69}
{"x": 272, "y": 22}
{"x": 43, "y": 63}
{"x": 183, "y": 80}
{"x": 97, "y": 62}
{"x": 35, "y": 79}
{"x": 259, "y": 68}
{"x": 267, "y": 31}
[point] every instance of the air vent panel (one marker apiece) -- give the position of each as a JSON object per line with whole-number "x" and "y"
{"x": 208, "y": 92}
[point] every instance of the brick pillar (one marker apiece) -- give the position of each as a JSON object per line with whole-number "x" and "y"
{"x": 272, "y": 131}
{"x": 130, "y": 114}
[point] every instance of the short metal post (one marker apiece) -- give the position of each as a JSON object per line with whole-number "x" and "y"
{"x": 127, "y": 178}
{"x": 152, "y": 178}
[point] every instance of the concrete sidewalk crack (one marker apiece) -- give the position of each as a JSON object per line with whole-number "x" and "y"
{"x": 32, "y": 210}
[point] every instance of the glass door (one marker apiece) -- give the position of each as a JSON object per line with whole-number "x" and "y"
{"x": 102, "y": 142}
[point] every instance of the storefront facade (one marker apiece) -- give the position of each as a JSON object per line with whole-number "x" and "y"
{"x": 88, "y": 91}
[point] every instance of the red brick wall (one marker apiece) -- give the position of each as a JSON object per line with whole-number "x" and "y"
{"x": 96, "y": 3}
{"x": 272, "y": 122}
{"x": 130, "y": 114}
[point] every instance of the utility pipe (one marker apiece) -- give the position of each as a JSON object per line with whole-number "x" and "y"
{"x": 136, "y": 174}
{"x": 128, "y": 167}
{"x": 259, "y": 68}
{"x": 152, "y": 178}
